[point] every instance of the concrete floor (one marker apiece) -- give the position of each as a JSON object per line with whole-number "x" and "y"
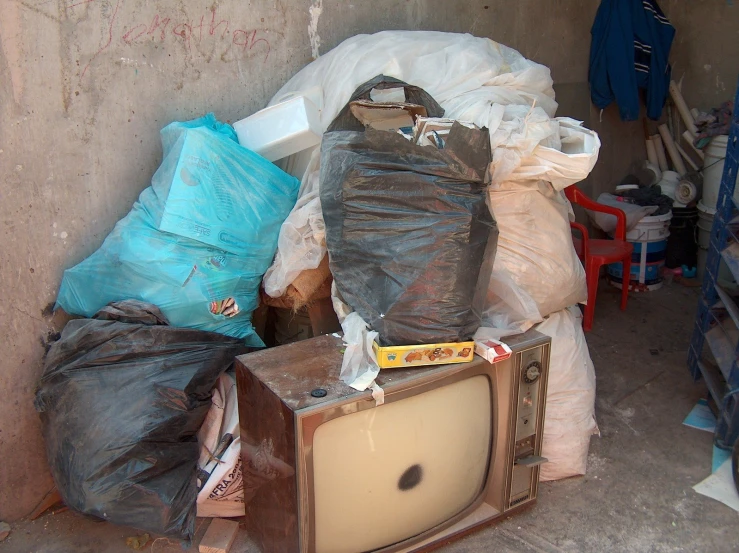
{"x": 637, "y": 495}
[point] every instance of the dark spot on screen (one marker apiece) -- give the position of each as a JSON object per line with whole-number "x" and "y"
{"x": 410, "y": 478}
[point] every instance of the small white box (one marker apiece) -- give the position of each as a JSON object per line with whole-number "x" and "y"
{"x": 281, "y": 130}
{"x": 492, "y": 350}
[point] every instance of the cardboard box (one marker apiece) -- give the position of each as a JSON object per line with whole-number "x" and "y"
{"x": 433, "y": 131}
{"x": 386, "y": 116}
{"x": 492, "y": 350}
{"x": 392, "y": 357}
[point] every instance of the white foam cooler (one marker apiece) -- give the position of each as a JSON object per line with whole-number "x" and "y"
{"x": 281, "y": 130}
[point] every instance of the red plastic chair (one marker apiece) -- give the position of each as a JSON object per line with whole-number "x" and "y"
{"x": 595, "y": 253}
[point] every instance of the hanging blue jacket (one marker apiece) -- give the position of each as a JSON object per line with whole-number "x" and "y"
{"x": 629, "y": 50}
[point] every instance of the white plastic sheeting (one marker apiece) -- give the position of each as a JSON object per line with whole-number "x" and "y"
{"x": 570, "y": 412}
{"x": 302, "y": 241}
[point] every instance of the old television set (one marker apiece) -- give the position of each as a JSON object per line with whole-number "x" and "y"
{"x": 328, "y": 470}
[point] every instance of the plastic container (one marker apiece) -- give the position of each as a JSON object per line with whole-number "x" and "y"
{"x": 624, "y": 187}
{"x": 713, "y": 170}
{"x": 281, "y": 130}
{"x": 685, "y": 193}
{"x": 725, "y": 278}
{"x": 705, "y": 223}
{"x": 668, "y": 183}
{"x": 703, "y": 236}
{"x": 651, "y": 228}
{"x": 649, "y": 238}
{"x": 682, "y": 247}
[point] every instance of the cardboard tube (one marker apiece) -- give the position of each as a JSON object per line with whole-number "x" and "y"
{"x": 661, "y": 159}
{"x": 686, "y": 157}
{"x": 695, "y": 113}
{"x": 677, "y": 161}
{"x": 682, "y": 107}
{"x": 689, "y": 139}
{"x": 652, "y": 153}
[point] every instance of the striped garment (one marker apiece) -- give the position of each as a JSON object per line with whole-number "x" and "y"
{"x": 620, "y": 67}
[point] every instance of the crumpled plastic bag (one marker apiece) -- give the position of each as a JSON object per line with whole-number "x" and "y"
{"x": 410, "y": 237}
{"x": 121, "y": 399}
{"x": 564, "y": 157}
{"x": 569, "y": 420}
{"x": 359, "y": 367}
{"x": 198, "y": 240}
{"x": 536, "y": 270}
{"x": 303, "y": 234}
{"x": 634, "y": 213}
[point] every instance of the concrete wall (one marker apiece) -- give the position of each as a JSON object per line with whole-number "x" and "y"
{"x": 85, "y": 86}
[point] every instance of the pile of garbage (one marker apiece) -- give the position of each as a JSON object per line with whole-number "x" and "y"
{"x": 676, "y": 187}
{"x": 416, "y": 178}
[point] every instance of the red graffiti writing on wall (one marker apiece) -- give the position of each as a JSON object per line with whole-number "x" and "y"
{"x": 162, "y": 28}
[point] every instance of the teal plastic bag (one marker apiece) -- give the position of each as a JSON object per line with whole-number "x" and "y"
{"x": 198, "y": 240}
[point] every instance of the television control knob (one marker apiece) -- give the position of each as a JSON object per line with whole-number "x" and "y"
{"x": 532, "y": 372}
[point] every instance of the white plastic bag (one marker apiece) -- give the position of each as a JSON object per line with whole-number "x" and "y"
{"x": 302, "y": 241}
{"x": 570, "y": 410}
{"x": 563, "y": 158}
{"x": 634, "y": 213}
{"x": 359, "y": 366}
{"x": 221, "y": 493}
{"x": 536, "y": 270}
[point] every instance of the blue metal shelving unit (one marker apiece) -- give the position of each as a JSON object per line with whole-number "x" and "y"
{"x": 717, "y": 320}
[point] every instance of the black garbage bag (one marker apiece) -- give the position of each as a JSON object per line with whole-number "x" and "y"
{"x": 121, "y": 399}
{"x": 411, "y": 240}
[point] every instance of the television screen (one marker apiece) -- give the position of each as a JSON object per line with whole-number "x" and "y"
{"x": 387, "y": 474}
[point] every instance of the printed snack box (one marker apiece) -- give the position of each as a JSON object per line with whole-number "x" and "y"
{"x": 390, "y": 357}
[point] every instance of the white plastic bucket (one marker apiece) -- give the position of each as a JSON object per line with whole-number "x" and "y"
{"x": 725, "y": 278}
{"x": 651, "y": 229}
{"x": 705, "y": 223}
{"x": 623, "y": 187}
{"x": 649, "y": 238}
{"x": 713, "y": 170}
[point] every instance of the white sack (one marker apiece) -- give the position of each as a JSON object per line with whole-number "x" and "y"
{"x": 634, "y": 213}
{"x": 536, "y": 270}
{"x": 565, "y": 157}
{"x": 222, "y": 494}
{"x": 570, "y": 409}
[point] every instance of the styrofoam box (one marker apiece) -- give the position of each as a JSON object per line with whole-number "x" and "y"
{"x": 281, "y": 130}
